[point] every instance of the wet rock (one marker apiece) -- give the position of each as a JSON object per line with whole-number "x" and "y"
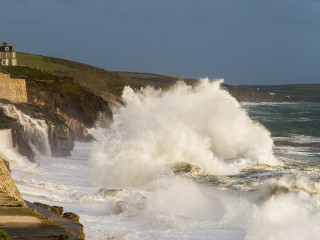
{"x": 60, "y": 136}
{"x": 78, "y": 130}
{"x": 71, "y": 216}
{"x": 182, "y": 167}
{"x": 19, "y": 137}
{"x": 108, "y": 192}
{"x": 45, "y": 206}
{"x": 54, "y": 214}
{"x": 57, "y": 209}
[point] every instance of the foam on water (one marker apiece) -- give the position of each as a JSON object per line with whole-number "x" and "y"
{"x": 171, "y": 207}
{"x": 123, "y": 186}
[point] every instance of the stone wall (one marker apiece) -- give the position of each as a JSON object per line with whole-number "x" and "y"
{"x": 13, "y": 89}
{"x": 7, "y": 184}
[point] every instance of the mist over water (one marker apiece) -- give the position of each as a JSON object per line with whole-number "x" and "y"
{"x": 204, "y": 126}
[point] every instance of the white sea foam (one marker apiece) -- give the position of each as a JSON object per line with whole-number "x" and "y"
{"x": 287, "y": 217}
{"x": 169, "y": 207}
{"x": 36, "y": 129}
{"x": 204, "y": 126}
{"x": 10, "y": 153}
{"x": 135, "y": 195}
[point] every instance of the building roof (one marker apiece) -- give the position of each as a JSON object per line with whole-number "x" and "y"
{"x": 3, "y": 48}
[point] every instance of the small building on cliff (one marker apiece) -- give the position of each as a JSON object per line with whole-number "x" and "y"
{"x": 7, "y": 55}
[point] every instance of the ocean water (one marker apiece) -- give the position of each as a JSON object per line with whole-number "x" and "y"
{"x": 190, "y": 164}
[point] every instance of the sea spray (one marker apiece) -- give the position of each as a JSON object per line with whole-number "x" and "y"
{"x": 174, "y": 207}
{"x": 204, "y": 126}
{"x": 286, "y": 217}
{"x": 36, "y": 130}
{"x": 9, "y": 152}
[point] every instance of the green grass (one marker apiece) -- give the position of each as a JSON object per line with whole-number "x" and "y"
{"x": 109, "y": 85}
{"x": 41, "y": 62}
{"x": 4, "y": 235}
{"x": 100, "y": 81}
{"x": 34, "y": 73}
{"x": 68, "y": 87}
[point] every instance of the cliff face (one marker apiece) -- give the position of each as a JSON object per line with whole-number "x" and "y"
{"x": 19, "y": 137}
{"x": 71, "y": 99}
{"x": 39, "y": 125}
{"x": 7, "y": 185}
{"x": 64, "y": 106}
{"x": 59, "y": 134}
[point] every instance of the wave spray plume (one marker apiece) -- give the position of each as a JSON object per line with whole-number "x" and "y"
{"x": 204, "y": 126}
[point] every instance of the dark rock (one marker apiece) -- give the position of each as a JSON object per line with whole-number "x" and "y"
{"x": 45, "y": 206}
{"x": 76, "y": 101}
{"x": 19, "y": 137}
{"x": 75, "y": 230}
{"x": 71, "y": 216}
{"x": 108, "y": 192}
{"x": 60, "y": 137}
{"x": 56, "y": 209}
{"x": 78, "y": 130}
{"x": 182, "y": 167}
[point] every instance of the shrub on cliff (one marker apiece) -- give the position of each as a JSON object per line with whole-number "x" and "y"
{"x": 33, "y": 73}
{"x": 4, "y": 235}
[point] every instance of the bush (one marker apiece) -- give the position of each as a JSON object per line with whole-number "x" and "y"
{"x": 4, "y": 235}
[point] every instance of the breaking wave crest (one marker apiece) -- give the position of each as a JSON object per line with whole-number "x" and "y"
{"x": 202, "y": 125}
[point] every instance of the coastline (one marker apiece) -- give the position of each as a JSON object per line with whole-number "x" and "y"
{"x": 22, "y": 219}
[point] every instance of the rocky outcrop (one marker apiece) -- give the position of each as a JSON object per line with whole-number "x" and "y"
{"x": 71, "y": 216}
{"x": 80, "y": 107}
{"x": 19, "y": 137}
{"x": 73, "y": 100}
{"x": 68, "y": 220}
{"x": 7, "y": 185}
{"x": 60, "y": 136}
{"x": 78, "y": 130}
{"x": 40, "y": 125}
{"x": 55, "y": 209}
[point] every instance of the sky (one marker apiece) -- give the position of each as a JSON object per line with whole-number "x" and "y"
{"x": 241, "y": 41}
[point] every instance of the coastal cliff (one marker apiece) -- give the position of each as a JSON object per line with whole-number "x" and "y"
{"x": 36, "y": 125}
{"x": 69, "y": 98}
{"x": 66, "y": 107}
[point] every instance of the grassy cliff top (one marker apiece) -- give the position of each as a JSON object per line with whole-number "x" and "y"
{"x": 109, "y": 85}
{"x": 104, "y": 83}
